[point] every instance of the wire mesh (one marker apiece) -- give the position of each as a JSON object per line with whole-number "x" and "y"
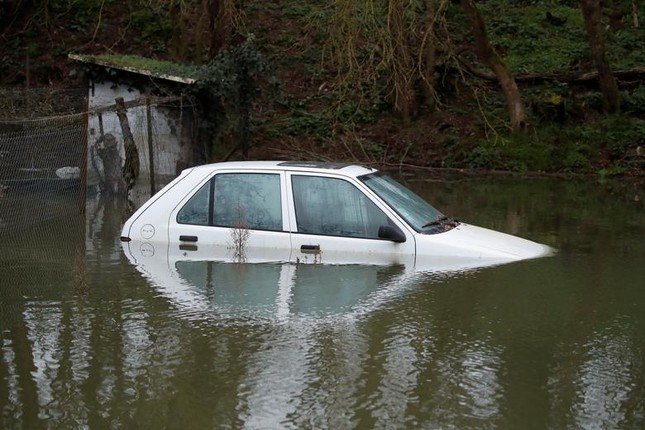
{"x": 40, "y": 164}
{"x": 52, "y": 166}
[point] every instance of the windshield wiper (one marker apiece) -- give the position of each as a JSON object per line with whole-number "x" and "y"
{"x": 440, "y": 220}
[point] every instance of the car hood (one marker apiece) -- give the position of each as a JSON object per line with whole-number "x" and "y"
{"x": 469, "y": 241}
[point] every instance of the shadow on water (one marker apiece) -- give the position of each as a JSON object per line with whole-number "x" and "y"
{"x": 88, "y": 339}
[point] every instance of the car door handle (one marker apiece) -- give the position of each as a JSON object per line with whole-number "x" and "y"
{"x": 310, "y": 249}
{"x": 184, "y": 238}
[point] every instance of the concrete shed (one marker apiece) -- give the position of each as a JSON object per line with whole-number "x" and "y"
{"x": 156, "y": 109}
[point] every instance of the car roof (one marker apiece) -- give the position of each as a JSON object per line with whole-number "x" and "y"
{"x": 300, "y": 166}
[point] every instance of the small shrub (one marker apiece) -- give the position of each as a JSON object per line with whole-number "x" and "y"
{"x": 633, "y": 101}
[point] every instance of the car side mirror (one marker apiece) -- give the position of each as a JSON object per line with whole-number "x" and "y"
{"x": 391, "y": 233}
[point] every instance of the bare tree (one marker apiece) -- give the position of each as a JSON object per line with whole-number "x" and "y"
{"x": 635, "y": 13}
{"x": 369, "y": 37}
{"x": 489, "y": 57}
{"x": 216, "y": 24}
{"x": 402, "y": 67}
{"x": 207, "y": 25}
{"x": 592, "y": 15}
{"x": 428, "y": 51}
{"x": 225, "y": 22}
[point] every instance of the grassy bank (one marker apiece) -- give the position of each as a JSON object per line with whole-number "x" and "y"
{"x": 323, "y": 109}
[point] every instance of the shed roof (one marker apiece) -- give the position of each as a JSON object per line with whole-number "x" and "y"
{"x": 158, "y": 69}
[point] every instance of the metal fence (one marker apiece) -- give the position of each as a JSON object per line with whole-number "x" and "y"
{"x": 54, "y": 155}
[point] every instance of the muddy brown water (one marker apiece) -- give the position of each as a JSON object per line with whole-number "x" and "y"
{"x": 89, "y": 341}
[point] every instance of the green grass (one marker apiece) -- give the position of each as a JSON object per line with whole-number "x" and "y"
{"x": 143, "y": 63}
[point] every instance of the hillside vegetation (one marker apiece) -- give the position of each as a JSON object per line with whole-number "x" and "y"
{"x": 388, "y": 82}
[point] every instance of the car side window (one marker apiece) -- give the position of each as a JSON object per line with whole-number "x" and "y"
{"x": 241, "y": 200}
{"x": 247, "y": 200}
{"x": 196, "y": 210}
{"x": 334, "y": 207}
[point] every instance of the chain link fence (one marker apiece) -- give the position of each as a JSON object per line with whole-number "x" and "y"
{"x": 57, "y": 157}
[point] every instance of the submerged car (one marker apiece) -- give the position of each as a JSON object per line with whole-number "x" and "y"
{"x": 310, "y": 212}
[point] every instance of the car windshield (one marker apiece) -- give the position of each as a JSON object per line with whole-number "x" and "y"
{"x": 418, "y": 213}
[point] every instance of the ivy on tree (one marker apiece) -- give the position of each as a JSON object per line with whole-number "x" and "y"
{"x": 233, "y": 77}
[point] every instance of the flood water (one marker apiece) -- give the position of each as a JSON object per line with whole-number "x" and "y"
{"x": 88, "y": 340}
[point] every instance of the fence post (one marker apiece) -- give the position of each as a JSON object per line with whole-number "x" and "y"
{"x": 84, "y": 160}
{"x": 151, "y": 157}
{"x": 131, "y": 165}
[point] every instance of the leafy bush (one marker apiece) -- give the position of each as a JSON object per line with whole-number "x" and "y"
{"x": 529, "y": 42}
{"x": 633, "y": 102}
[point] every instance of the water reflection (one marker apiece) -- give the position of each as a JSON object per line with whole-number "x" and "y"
{"x": 600, "y": 382}
{"x": 605, "y": 381}
{"x": 90, "y": 340}
{"x": 222, "y": 289}
{"x": 479, "y": 381}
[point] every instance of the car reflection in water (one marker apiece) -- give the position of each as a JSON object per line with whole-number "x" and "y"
{"x": 209, "y": 283}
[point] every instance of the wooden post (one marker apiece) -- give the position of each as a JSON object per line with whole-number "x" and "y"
{"x": 151, "y": 157}
{"x": 131, "y": 165}
{"x": 100, "y": 117}
{"x": 83, "y": 163}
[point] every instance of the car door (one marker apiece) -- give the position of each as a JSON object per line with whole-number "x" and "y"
{"x": 238, "y": 216}
{"x": 337, "y": 220}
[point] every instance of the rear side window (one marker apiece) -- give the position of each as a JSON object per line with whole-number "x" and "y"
{"x": 196, "y": 211}
{"x": 334, "y": 207}
{"x": 240, "y": 200}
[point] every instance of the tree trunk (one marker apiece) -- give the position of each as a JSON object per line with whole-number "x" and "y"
{"x": 428, "y": 55}
{"x": 635, "y": 13}
{"x": 112, "y": 182}
{"x": 404, "y": 100}
{"x": 592, "y": 15}
{"x": 177, "y": 42}
{"x": 489, "y": 57}
{"x": 216, "y": 20}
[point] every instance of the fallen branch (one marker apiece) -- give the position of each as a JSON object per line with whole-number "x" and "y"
{"x": 634, "y": 73}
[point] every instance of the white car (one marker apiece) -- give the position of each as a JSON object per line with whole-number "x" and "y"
{"x": 309, "y": 212}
